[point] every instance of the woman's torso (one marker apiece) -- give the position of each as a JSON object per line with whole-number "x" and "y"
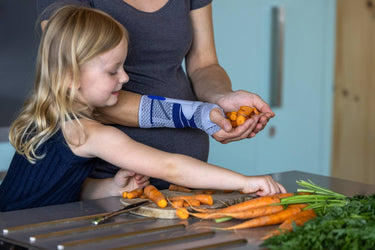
{"x": 159, "y": 42}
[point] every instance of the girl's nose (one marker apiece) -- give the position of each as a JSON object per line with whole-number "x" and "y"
{"x": 124, "y": 77}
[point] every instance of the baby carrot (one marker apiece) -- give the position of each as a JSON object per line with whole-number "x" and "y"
{"x": 124, "y": 194}
{"x": 155, "y": 195}
{"x": 248, "y": 110}
{"x": 192, "y": 203}
{"x": 134, "y": 193}
{"x": 246, "y": 214}
{"x": 232, "y": 115}
{"x": 203, "y": 198}
{"x": 173, "y": 187}
{"x": 177, "y": 203}
{"x": 240, "y": 120}
{"x": 182, "y": 213}
{"x": 267, "y": 220}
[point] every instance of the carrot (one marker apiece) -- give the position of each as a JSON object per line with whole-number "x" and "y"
{"x": 299, "y": 219}
{"x": 177, "y": 203}
{"x": 300, "y": 205}
{"x": 240, "y": 120}
{"x": 253, "y": 203}
{"x": 173, "y": 187}
{"x": 282, "y": 195}
{"x": 204, "y": 191}
{"x": 247, "y": 109}
{"x": 272, "y": 219}
{"x": 136, "y": 193}
{"x": 192, "y": 203}
{"x": 182, "y": 213}
{"x": 256, "y": 111}
{"x": 233, "y": 123}
{"x": 232, "y": 115}
{"x": 155, "y": 195}
{"x": 203, "y": 198}
{"x": 246, "y": 214}
{"x": 124, "y": 194}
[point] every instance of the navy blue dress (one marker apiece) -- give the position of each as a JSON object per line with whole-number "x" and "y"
{"x": 55, "y": 179}
{"x": 159, "y": 41}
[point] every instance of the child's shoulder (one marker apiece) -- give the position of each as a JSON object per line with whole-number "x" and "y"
{"x": 86, "y": 135}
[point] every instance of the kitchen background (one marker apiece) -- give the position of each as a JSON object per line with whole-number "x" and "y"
{"x": 313, "y": 60}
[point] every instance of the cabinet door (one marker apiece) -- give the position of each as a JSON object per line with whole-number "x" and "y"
{"x": 299, "y": 137}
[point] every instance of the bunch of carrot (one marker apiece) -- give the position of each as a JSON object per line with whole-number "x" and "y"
{"x": 240, "y": 116}
{"x": 261, "y": 211}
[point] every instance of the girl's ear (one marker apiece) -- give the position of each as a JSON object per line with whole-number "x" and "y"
{"x": 72, "y": 83}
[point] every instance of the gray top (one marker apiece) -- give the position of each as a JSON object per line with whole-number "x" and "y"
{"x": 159, "y": 41}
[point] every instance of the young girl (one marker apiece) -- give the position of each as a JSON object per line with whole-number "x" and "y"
{"x": 80, "y": 68}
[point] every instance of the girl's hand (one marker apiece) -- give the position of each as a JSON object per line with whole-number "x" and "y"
{"x": 125, "y": 180}
{"x": 263, "y": 185}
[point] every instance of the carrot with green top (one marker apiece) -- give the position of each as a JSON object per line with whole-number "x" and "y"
{"x": 253, "y": 203}
{"x": 155, "y": 195}
{"x": 298, "y": 219}
{"x": 246, "y": 214}
{"x": 272, "y": 219}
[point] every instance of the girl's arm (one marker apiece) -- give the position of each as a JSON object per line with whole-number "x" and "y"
{"x": 112, "y": 145}
{"x": 124, "y": 180}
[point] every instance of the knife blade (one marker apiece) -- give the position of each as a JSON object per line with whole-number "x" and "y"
{"x": 128, "y": 208}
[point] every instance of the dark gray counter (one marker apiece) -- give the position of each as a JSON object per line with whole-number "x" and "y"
{"x": 19, "y": 228}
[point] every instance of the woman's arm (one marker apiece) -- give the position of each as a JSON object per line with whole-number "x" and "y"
{"x": 212, "y": 84}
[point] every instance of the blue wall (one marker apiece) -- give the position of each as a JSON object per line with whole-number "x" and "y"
{"x": 6, "y": 154}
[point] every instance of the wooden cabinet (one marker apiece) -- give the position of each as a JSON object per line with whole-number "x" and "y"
{"x": 354, "y": 113}
{"x": 299, "y": 137}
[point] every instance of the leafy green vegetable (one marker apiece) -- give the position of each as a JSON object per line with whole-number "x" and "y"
{"x": 318, "y": 197}
{"x": 344, "y": 223}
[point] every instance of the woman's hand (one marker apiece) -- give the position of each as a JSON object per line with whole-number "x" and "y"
{"x": 232, "y": 102}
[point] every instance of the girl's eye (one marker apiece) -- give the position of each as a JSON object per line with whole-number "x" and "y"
{"x": 113, "y": 73}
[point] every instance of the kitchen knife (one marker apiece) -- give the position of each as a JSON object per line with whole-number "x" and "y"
{"x": 128, "y": 208}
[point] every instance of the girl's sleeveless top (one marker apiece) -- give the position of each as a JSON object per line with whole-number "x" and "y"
{"x": 159, "y": 42}
{"x": 55, "y": 179}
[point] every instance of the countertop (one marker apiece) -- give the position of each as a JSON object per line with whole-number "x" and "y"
{"x": 22, "y": 228}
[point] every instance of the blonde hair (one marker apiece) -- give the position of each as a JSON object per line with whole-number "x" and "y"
{"x": 73, "y": 36}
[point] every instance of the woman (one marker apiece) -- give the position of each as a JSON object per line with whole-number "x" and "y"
{"x": 162, "y": 34}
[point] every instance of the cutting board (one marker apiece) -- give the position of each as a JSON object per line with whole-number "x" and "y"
{"x": 220, "y": 198}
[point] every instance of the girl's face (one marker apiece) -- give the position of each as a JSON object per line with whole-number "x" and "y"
{"x": 103, "y": 76}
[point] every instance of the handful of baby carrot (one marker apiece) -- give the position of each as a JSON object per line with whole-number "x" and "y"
{"x": 240, "y": 116}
